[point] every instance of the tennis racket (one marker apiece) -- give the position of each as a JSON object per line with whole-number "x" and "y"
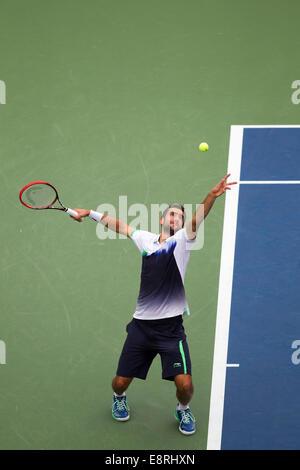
{"x": 41, "y": 195}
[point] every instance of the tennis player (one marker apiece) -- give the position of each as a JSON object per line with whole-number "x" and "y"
{"x": 157, "y": 323}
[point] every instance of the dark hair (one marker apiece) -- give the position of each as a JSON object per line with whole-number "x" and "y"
{"x": 179, "y": 206}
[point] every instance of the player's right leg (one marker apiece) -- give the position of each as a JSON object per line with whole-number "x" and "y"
{"x": 135, "y": 361}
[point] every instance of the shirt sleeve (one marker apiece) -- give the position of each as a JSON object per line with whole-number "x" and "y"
{"x": 140, "y": 238}
{"x": 182, "y": 238}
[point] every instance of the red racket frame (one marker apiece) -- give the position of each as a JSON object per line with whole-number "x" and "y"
{"x": 32, "y": 184}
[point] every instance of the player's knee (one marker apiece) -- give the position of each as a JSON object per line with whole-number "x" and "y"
{"x": 121, "y": 382}
{"x": 184, "y": 384}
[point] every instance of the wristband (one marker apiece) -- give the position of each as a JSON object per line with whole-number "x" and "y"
{"x": 97, "y": 216}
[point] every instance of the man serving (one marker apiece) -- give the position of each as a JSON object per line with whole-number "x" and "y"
{"x": 157, "y": 323}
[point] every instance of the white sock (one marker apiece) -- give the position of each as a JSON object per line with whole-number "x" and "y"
{"x": 180, "y": 406}
{"x": 123, "y": 395}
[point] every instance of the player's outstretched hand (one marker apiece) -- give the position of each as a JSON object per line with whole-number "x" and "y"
{"x": 221, "y": 187}
{"x": 81, "y": 214}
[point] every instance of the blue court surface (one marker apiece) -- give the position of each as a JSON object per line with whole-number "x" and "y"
{"x": 256, "y": 377}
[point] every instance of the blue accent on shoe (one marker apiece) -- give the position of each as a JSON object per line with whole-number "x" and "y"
{"x": 186, "y": 421}
{"x": 120, "y": 409}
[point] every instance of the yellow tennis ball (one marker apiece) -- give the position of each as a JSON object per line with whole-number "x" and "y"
{"x": 203, "y": 147}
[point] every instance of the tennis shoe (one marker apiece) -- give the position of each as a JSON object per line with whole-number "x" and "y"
{"x": 120, "y": 408}
{"x": 186, "y": 421}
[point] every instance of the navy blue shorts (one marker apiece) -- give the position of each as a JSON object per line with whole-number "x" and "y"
{"x": 146, "y": 339}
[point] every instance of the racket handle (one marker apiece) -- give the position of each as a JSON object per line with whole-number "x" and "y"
{"x": 71, "y": 212}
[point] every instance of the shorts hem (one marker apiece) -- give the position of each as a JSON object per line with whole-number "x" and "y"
{"x": 171, "y": 377}
{"x": 131, "y": 376}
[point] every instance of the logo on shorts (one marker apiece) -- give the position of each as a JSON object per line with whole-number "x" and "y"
{"x": 177, "y": 364}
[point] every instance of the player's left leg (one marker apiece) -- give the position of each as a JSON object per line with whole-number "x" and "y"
{"x": 185, "y": 388}
{"x": 176, "y": 366}
{"x": 184, "y": 393}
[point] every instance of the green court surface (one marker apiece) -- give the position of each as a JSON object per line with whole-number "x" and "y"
{"x": 105, "y": 99}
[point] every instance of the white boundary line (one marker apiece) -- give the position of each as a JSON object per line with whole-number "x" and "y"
{"x": 270, "y": 182}
{"x": 267, "y": 126}
{"x": 224, "y": 294}
{"x": 220, "y": 365}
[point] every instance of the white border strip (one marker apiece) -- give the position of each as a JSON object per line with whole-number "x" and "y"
{"x": 224, "y": 294}
{"x": 267, "y": 126}
{"x": 270, "y": 182}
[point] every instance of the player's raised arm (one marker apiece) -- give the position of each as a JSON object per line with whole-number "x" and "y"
{"x": 204, "y": 208}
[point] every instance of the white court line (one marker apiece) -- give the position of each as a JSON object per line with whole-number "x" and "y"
{"x": 224, "y": 295}
{"x": 267, "y": 126}
{"x": 270, "y": 182}
{"x": 220, "y": 365}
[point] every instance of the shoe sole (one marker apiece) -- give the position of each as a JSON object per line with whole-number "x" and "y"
{"x": 121, "y": 419}
{"x": 186, "y": 433}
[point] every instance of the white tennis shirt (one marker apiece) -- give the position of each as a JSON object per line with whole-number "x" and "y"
{"x": 162, "y": 293}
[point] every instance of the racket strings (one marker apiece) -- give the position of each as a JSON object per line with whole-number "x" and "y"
{"x": 39, "y": 195}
